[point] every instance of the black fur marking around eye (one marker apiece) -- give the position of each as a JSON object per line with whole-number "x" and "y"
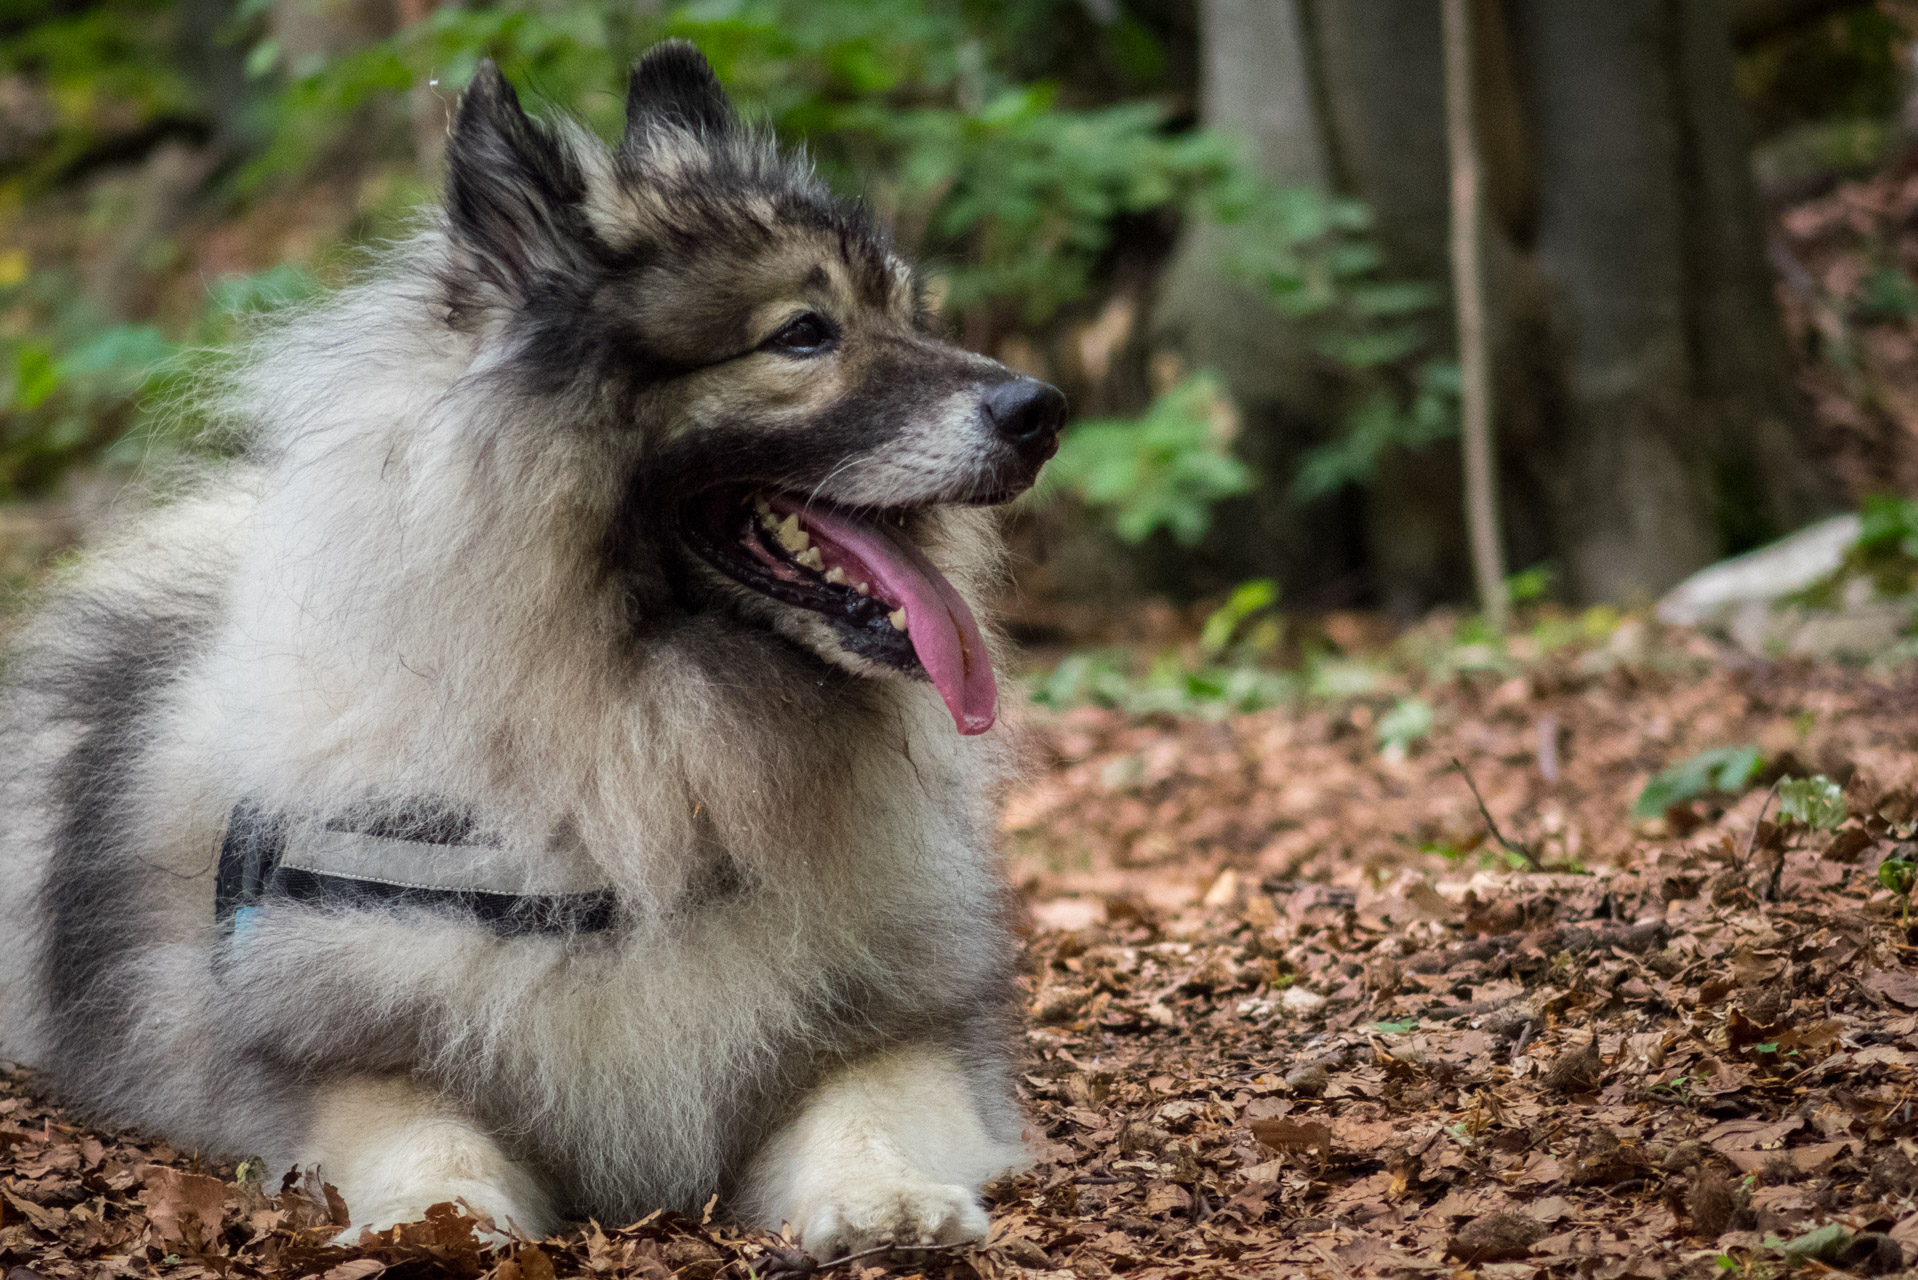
{"x": 810, "y": 334}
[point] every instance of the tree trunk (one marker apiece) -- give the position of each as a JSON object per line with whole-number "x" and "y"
{"x": 1257, "y": 85}
{"x": 1483, "y": 529}
{"x": 1681, "y": 438}
{"x": 1647, "y": 418}
{"x": 1630, "y": 479}
{"x": 1384, "y": 84}
{"x": 1767, "y": 481}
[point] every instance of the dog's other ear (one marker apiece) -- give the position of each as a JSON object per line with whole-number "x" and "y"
{"x": 514, "y": 191}
{"x": 674, "y": 85}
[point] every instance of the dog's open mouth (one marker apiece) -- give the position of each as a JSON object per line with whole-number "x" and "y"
{"x": 858, "y": 569}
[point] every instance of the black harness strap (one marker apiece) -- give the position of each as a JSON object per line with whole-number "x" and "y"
{"x": 251, "y": 876}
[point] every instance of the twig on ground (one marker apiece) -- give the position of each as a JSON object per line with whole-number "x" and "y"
{"x": 1752, "y": 839}
{"x": 894, "y": 1248}
{"x": 1517, "y": 850}
{"x": 1524, "y": 1039}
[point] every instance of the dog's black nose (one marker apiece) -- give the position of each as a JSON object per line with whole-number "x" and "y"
{"x": 1027, "y": 414}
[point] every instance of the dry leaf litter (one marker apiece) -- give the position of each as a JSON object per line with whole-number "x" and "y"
{"x": 1295, "y": 1010}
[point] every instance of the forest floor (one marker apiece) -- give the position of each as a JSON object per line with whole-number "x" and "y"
{"x": 1295, "y": 1010}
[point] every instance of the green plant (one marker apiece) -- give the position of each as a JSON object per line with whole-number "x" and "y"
{"x": 1722, "y": 770}
{"x": 1887, "y": 293}
{"x": 1885, "y": 553}
{"x": 1531, "y": 585}
{"x": 1313, "y": 256}
{"x": 91, "y": 72}
{"x": 1817, "y": 801}
{"x": 1097, "y": 676}
{"x": 1388, "y": 415}
{"x": 1010, "y": 192}
{"x": 1409, "y": 721}
{"x": 1163, "y": 470}
{"x": 1403, "y": 1026}
{"x": 1169, "y": 686}
{"x": 1247, "y": 622}
{"x": 1898, "y": 875}
{"x": 1335, "y": 678}
{"x": 59, "y": 390}
{"x": 1887, "y": 546}
{"x": 68, "y": 388}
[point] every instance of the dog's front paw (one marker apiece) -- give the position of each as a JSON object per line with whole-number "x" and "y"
{"x": 902, "y": 1211}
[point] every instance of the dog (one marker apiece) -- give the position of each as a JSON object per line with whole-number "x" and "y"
{"x": 550, "y": 768}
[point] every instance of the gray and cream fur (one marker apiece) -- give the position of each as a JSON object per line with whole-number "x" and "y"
{"x": 458, "y": 563}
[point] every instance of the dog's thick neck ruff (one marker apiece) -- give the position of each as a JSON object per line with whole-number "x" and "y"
{"x": 417, "y": 857}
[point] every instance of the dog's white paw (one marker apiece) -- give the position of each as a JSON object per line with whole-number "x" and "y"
{"x": 394, "y": 1151}
{"x": 903, "y": 1210}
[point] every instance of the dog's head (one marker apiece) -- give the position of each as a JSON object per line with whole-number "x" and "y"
{"x": 791, "y": 422}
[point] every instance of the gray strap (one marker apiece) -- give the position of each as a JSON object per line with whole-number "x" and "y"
{"x": 561, "y": 867}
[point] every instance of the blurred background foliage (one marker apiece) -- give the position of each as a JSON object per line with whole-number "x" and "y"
{"x": 1014, "y": 146}
{"x": 170, "y": 169}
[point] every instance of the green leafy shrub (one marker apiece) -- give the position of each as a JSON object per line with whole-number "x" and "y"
{"x": 96, "y": 71}
{"x": 1162, "y": 470}
{"x": 57, "y": 391}
{"x": 1012, "y": 195}
{"x": 1887, "y": 546}
{"x": 1312, "y": 254}
{"x": 1386, "y": 417}
{"x": 1720, "y": 771}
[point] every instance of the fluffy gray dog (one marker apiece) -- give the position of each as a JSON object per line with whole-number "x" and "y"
{"x": 551, "y": 768}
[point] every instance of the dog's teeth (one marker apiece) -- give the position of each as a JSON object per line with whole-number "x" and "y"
{"x": 863, "y": 588}
{"x": 792, "y": 537}
{"x": 836, "y": 576}
{"x": 769, "y": 522}
{"x": 811, "y": 558}
{"x": 764, "y": 508}
{"x": 898, "y": 619}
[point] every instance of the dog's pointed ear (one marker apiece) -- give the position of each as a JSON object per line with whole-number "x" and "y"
{"x": 514, "y": 191}
{"x": 674, "y": 85}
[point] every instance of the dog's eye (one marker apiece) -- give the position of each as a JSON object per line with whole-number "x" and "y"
{"x": 806, "y": 335}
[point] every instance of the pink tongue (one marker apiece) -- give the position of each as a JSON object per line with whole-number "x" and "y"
{"x": 941, "y": 627}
